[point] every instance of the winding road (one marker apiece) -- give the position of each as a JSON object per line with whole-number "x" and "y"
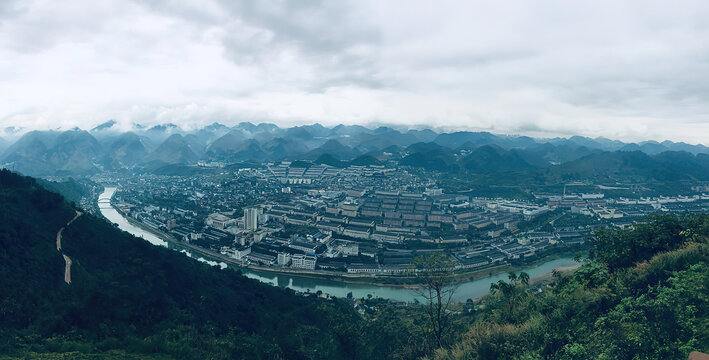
{"x": 67, "y": 260}
{"x": 67, "y": 270}
{"x": 59, "y": 239}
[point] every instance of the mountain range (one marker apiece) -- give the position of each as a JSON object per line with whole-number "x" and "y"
{"x": 80, "y": 152}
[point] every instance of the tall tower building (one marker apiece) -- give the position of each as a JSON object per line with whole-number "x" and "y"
{"x": 251, "y": 218}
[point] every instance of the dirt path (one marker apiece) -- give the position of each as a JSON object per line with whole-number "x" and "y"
{"x": 59, "y": 239}
{"x": 67, "y": 268}
{"x": 78, "y": 213}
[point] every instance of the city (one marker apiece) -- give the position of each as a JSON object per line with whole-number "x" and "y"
{"x": 371, "y": 220}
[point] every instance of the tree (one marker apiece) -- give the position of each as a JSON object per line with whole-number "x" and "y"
{"x": 436, "y": 286}
{"x": 623, "y": 248}
{"x": 513, "y": 292}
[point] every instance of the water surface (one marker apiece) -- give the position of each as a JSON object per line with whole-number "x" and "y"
{"x": 467, "y": 290}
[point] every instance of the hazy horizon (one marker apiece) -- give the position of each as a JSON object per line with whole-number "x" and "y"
{"x": 126, "y": 127}
{"x": 631, "y": 71}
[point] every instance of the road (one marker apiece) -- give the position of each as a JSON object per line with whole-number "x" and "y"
{"x": 59, "y": 239}
{"x": 78, "y": 213}
{"x": 67, "y": 260}
{"x": 59, "y": 233}
{"x": 67, "y": 270}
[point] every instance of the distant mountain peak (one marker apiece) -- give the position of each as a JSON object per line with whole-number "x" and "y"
{"x": 164, "y": 127}
{"x": 12, "y": 130}
{"x": 215, "y": 126}
{"x": 246, "y": 125}
{"x": 105, "y": 126}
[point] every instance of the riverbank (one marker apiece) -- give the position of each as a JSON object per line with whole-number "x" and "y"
{"x": 398, "y": 281}
{"x": 506, "y": 268}
{"x": 550, "y": 276}
{"x": 471, "y": 284}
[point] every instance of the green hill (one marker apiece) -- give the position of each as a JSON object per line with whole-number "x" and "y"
{"x": 328, "y": 159}
{"x": 643, "y": 294}
{"x": 489, "y": 158}
{"x": 666, "y": 166}
{"x": 430, "y": 156}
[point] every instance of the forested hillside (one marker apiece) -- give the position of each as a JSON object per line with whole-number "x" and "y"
{"x": 643, "y": 294}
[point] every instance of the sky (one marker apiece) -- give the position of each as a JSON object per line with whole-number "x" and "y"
{"x": 629, "y": 70}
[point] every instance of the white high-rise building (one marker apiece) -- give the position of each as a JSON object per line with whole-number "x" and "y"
{"x": 251, "y": 218}
{"x": 283, "y": 258}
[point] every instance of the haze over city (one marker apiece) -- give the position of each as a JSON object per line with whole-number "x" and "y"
{"x": 633, "y": 70}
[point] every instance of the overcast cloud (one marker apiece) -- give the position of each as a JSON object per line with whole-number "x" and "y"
{"x": 632, "y": 70}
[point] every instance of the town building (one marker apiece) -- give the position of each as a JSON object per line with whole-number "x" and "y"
{"x": 301, "y": 261}
{"x": 251, "y": 215}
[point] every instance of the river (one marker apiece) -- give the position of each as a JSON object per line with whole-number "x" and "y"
{"x": 467, "y": 290}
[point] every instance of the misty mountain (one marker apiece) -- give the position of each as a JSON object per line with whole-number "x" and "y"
{"x": 279, "y": 148}
{"x": 299, "y": 133}
{"x": 425, "y": 135}
{"x": 196, "y": 144}
{"x": 262, "y": 131}
{"x": 226, "y": 145}
{"x": 11, "y": 131}
{"x": 680, "y": 146}
{"x": 365, "y": 160}
{"x": 249, "y": 150}
{"x": 648, "y": 147}
{"x": 127, "y": 149}
{"x": 489, "y": 158}
{"x": 430, "y": 156}
{"x": 483, "y": 159}
{"x": 31, "y": 145}
{"x": 666, "y": 166}
{"x": 4, "y": 144}
{"x": 653, "y": 147}
{"x": 597, "y": 143}
{"x": 174, "y": 150}
{"x": 328, "y": 159}
{"x": 349, "y": 130}
{"x": 334, "y": 148}
{"x": 159, "y": 133}
{"x": 316, "y": 130}
{"x": 382, "y": 138}
{"x": 246, "y": 126}
{"x": 211, "y": 132}
{"x": 234, "y": 146}
{"x": 469, "y": 139}
{"x": 546, "y": 154}
{"x": 54, "y": 153}
{"x": 108, "y": 125}
{"x": 50, "y": 153}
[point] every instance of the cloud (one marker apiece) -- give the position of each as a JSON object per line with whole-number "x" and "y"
{"x": 631, "y": 70}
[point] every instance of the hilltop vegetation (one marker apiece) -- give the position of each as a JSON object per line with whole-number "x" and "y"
{"x": 642, "y": 294}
